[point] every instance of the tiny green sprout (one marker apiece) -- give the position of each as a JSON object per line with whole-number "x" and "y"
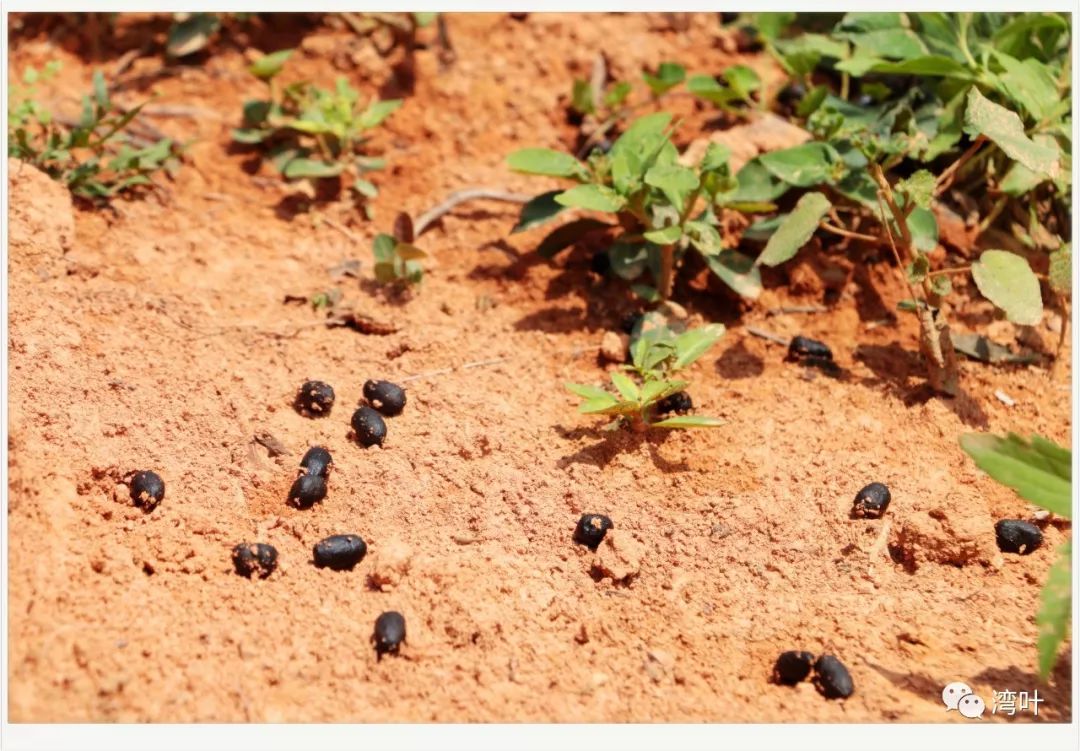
{"x": 310, "y": 133}
{"x": 657, "y": 354}
{"x": 396, "y": 262}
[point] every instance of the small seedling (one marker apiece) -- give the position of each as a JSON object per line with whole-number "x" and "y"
{"x": 369, "y": 427}
{"x": 97, "y": 156}
{"x": 591, "y": 529}
{"x": 397, "y": 262}
{"x": 792, "y": 667}
{"x": 871, "y": 502}
{"x": 1017, "y": 536}
{"x": 386, "y": 397}
{"x": 656, "y": 354}
{"x": 310, "y": 133}
{"x": 307, "y": 490}
{"x": 147, "y": 490}
{"x": 389, "y": 632}
{"x": 832, "y": 679}
{"x": 258, "y": 558}
{"x": 315, "y": 399}
{"x": 317, "y": 462}
{"x": 339, "y": 552}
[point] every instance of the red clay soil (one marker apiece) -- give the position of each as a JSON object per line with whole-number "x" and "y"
{"x": 155, "y": 337}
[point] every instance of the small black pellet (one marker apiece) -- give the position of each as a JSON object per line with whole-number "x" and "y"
{"x": 832, "y": 679}
{"x": 389, "y": 632}
{"x": 792, "y": 667}
{"x": 871, "y": 502}
{"x": 254, "y": 558}
{"x": 315, "y": 399}
{"x": 1015, "y": 536}
{"x": 679, "y": 403}
{"x": 307, "y": 491}
{"x": 340, "y": 552}
{"x": 317, "y": 461}
{"x": 386, "y": 397}
{"x": 591, "y": 529}
{"x": 802, "y": 347}
{"x": 369, "y": 426}
{"x": 147, "y": 489}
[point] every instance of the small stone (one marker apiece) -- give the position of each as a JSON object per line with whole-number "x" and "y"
{"x": 614, "y": 347}
{"x": 619, "y": 557}
{"x": 390, "y": 563}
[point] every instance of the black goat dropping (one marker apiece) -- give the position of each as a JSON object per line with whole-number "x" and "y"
{"x": 307, "y": 490}
{"x": 591, "y": 529}
{"x": 147, "y": 490}
{"x": 389, "y": 632}
{"x": 792, "y": 667}
{"x": 315, "y": 399}
{"x": 832, "y": 679}
{"x": 1016, "y": 536}
{"x": 255, "y": 558}
{"x": 317, "y": 462}
{"x": 340, "y": 552}
{"x": 369, "y": 427}
{"x": 386, "y": 397}
{"x": 871, "y": 502}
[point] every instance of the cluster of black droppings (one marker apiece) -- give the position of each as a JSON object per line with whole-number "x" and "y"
{"x": 832, "y": 679}
{"x": 1016, "y": 536}
{"x": 147, "y": 490}
{"x": 591, "y": 529}
{"x": 317, "y": 462}
{"x": 315, "y": 399}
{"x": 792, "y": 667}
{"x": 307, "y": 490}
{"x": 680, "y": 403}
{"x": 389, "y": 632}
{"x": 340, "y": 552}
{"x": 871, "y": 502}
{"x": 369, "y": 427}
{"x": 388, "y": 398}
{"x": 255, "y": 558}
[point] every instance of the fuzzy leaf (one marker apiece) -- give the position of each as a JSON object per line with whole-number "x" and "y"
{"x": 545, "y": 162}
{"x": 743, "y": 81}
{"x": 1004, "y": 128}
{"x": 704, "y": 237}
{"x": 1007, "y": 281}
{"x": 674, "y": 180}
{"x": 1061, "y": 270}
{"x": 1039, "y": 471}
{"x": 591, "y": 197}
{"x": 795, "y": 231}
{"x": 804, "y": 166}
{"x": 919, "y": 187}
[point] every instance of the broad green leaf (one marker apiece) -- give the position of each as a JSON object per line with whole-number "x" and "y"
{"x": 891, "y": 44}
{"x": 737, "y": 271}
{"x": 1029, "y": 83}
{"x": 1038, "y": 471}
{"x": 377, "y": 112}
{"x": 256, "y": 111}
{"x": 585, "y": 391}
{"x": 617, "y": 94}
{"x": 591, "y": 197}
{"x": 626, "y": 387}
{"x": 870, "y": 22}
{"x": 711, "y": 90}
{"x": 756, "y": 184}
{"x": 919, "y": 187}
{"x": 642, "y": 134}
{"x": 668, "y": 76}
{"x": 924, "y": 230}
{"x": 1014, "y": 38}
{"x": 546, "y": 162}
{"x": 704, "y": 237}
{"x": 1004, "y": 128}
{"x": 250, "y": 135}
{"x": 804, "y": 166}
{"x": 383, "y": 247}
{"x": 692, "y": 344}
{"x": 303, "y": 167}
{"x": 771, "y": 25}
{"x": 688, "y": 421}
{"x": 1055, "y": 611}
{"x": 1007, "y": 281}
{"x": 568, "y": 234}
{"x": 601, "y": 405}
{"x": 1061, "y": 270}
{"x": 655, "y": 390}
{"x": 365, "y": 188}
{"x": 581, "y": 97}
{"x": 927, "y": 65}
{"x": 268, "y": 66}
{"x": 665, "y": 236}
{"x": 674, "y": 180}
{"x": 795, "y": 231}
{"x": 101, "y": 90}
{"x": 801, "y": 54}
{"x": 743, "y": 80}
{"x": 716, "y": 158}
{"x": 540, "y": 210}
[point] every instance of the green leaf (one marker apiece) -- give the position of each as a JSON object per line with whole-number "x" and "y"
{"x": 1004, "y": 128}
{"x": 1039, "y": 471}
{"x": 1029, "y": 83}
{"x": 924, "y": 230}
{"x": 692, "y": 344}
{"x": 1056, "y": 610}
{"x": 892, "y": 44}
{"x": 191, "y": 35}
{"x": 1007, "y": 281}
{"x": 314, "y": 168}
{"x": 737, "y": 271}
{"x": 927, "y": 65}
{"x": 101, "y": 90}
{"x": 585, "y": 391}
{"x": 591, "y": 197}
{"x": 674, "y": 180}
{"x": 668, "y": 75}
{"x": 795, "y": 231}
{"x": 546, "y": 162}
{"x": 1061, "y": 270}
{"x": 256, "y": 111}
{"x": 756, "y": 184}
{"x": 918, "y": 269}
{"x": 654, "y": 390}
{"x": 409, "y": 252}
{"x": 709, "y": 89}
{"x": 870, "y": 22}
{"x": 688, "y": 421}
{"x": 377, "y": 112}
{"x": 704, "y": 237}
{"x": 743, "y": 81}
{"x": 383, "y": 247}
{"x": 423, "y": 20}
{"x": 268, "y": 66}
{"x": 665, "y": 236}
{"x": 539, "y": 210}
{"x": 365, "y": 188}
{"x": 617, "y": 94}
{"x": 804, "y": 166}
{"x": 716, "y": 158}
{"x": 919, "y": 187}
{"x": 627, "y": 388}
{"x": 568, "y": 234}
{"x": 250, "y": 135}
{"x": 771, "y": 25}
{"x": 581, "y": 97}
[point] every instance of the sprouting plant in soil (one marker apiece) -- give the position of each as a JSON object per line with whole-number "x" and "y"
{"x": 1039, "y": 471}
{"x": 657, "y": 354}
{"x": 660, "y": 208}
{"x": 97, "y": 156}
{"x": 397, "y": 259}
{"x": 311, "y": 133}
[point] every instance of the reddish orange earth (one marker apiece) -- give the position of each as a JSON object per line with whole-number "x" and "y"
{"x": 155, "y": 337}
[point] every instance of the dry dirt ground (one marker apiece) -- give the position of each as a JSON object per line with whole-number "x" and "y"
{"x": 155, "y": 336}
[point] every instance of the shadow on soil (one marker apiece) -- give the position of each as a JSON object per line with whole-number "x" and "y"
{"x": 1055, "y": 702}
{"x": 610, "y": 445}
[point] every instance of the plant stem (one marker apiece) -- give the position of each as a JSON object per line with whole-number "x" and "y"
{"x": 433, "y": 214}
{"x": 994, "y": 213}
{"x": 945, "y": 178}
{"x": 667, "y": 271}
{"x": 848, "y": 233}
{"x": 957, "y": 270}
